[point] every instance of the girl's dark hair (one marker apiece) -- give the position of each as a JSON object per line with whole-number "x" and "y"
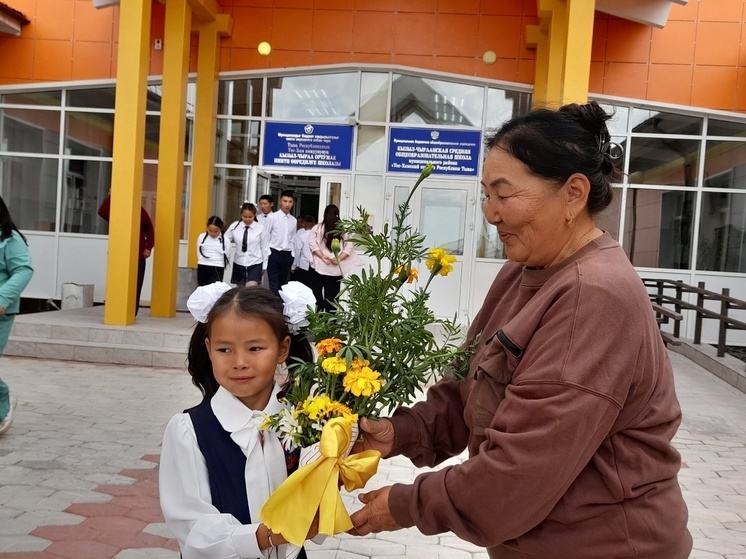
{"x": 248, "y": 206}
{"x": 252, "y": 301}
{"x": 215, "y": 220}
{"x": 331, "y": 218}
{"x": 6, "y": 223}
{"x": 556, "y": 144}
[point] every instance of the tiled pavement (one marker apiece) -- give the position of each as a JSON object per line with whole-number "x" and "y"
{"x": 78, "y": 469}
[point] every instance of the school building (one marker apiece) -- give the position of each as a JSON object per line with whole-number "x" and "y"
{"x": 190, "y": 107}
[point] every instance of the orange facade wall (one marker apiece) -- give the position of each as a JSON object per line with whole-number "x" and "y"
{"x": 697, "y": 59}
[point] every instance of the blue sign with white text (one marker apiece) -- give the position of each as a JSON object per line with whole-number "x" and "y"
{"x": 320, "y": 146}
{"x": 453, "y": 152}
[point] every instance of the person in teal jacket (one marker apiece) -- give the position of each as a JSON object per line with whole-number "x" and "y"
{"x": 15, "y": 273}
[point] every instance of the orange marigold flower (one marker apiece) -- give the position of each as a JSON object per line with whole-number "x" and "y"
{"x": 329, "y": 345}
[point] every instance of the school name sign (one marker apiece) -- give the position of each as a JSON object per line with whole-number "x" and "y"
{"x": 452, "y": 152}
{"x": 318, "y": 146}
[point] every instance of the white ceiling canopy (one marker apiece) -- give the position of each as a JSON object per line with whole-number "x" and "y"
{"x": 647, "y": 12}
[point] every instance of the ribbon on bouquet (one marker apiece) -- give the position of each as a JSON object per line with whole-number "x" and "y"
{"x": 290, "y": 510}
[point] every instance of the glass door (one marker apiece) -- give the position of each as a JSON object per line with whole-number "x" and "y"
{"x": 335, "y": 189}
{"x": 444, "y": 213}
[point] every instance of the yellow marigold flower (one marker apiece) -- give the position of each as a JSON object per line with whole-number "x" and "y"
{"x": 337, "y": 409}
{"x": 329, "y": 345}
{"x": 315, "y": 407}
{"x": 446, "y": 265}
{"x": 358, "y": 364}
{"x": 413, "y": 275}
{"x": 334, "y": 365}
{"x": 363, "y": 382}
{"x": 439, "y": 261}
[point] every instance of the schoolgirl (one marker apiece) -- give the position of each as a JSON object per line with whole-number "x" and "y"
{"x": 217, "y": 467}
{"x": 212, "y": 256}
{"x": 252, "y": 247}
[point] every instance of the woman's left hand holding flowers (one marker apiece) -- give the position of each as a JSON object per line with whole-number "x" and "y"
{"x": 375, "y": 516}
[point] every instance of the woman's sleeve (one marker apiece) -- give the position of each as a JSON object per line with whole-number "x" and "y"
{"x": 203, "y": 531}
{"x": 434, "y": 430}
{"x": 18, "y": 266}
{"x": 313, "y": 241}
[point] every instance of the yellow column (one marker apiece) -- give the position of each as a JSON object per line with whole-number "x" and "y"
{"x": 536, "y": 38}
{"x": 127, "y": 166}
{"x": 171, "y": 158}
{"x": 200, "y": 201}
{"x": 556, "y": 55}
{"x": 577, "y": 67}
{"x": 563, "y": 51}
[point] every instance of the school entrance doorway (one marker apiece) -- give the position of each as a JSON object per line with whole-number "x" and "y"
{"x": 312, "y": 192}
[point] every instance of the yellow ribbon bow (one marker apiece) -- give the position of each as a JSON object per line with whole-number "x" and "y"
{"x": 290, "y": 510}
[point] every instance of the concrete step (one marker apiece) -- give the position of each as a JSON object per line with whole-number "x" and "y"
{"x": 95, "y": 352}
{"x": 81, "y": 335}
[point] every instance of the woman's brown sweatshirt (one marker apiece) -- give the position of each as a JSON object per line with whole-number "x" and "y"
{"x": 568, "y": 412}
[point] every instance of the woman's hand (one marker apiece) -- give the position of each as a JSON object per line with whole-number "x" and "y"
{"x": 375, "y": 435}
{"x": 375, "y": 516}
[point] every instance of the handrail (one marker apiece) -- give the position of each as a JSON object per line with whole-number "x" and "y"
{"x": 727, "y": 303}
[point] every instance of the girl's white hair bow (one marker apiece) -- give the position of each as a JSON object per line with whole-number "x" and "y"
{"x": 203, "y": 298}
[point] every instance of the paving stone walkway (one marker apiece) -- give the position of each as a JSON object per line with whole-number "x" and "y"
{"x": 78, "y": 469}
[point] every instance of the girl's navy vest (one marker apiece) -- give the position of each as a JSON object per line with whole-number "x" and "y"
{"x": 226, "y": 464}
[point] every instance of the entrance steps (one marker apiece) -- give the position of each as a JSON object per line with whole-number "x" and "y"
{"x": 81, "y": 335}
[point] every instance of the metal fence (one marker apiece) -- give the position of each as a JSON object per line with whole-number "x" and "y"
{"x": 672, "y": 293}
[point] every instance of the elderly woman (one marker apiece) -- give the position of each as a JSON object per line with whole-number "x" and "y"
{"x": 568, "y": 408}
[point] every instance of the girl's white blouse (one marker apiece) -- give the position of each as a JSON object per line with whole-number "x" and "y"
{"x": 213, "y": 251}
{"x": 203, "y": 532}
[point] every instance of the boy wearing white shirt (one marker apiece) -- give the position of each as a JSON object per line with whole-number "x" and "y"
{"x": 302, "y": 269}
{"x": 281, "y": 230}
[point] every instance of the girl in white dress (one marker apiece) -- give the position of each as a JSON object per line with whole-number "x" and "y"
{"x": 217, "y": 467}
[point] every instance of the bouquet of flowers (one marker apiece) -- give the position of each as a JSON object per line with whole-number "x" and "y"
{"x": 376, "y": 351}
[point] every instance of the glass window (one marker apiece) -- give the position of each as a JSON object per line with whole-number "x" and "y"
{"x": 663, "y": 161}
{"x": 90, "y": 134}
{"x": 443, "y": 218}
{"x": 502, "y": 105}
{"x": 617, "y": 124}
{"x": 233, "y": 185}
{"x": 725, "y": 164}
{"x": 154, "y": 96}
{"x": 238, "y": 142}
{"x": 722, "y": 231}
{"x": 86, "y": 185}
{"x": 416, "y": 100}
{"x": 100, "y": 98}
{"x": 319, "y": 97}
{"x": 658, "y": 227}
{"x": 152, "y": 136}
{"x": 49, "y": 98}
{"x": 725, "y": 128}
{"x": 29, "y": 188}
{"x": 374, "y": 95}
{"x": 610, "y": 218}
{"x": 656, "y": 122}
{"x": 240, "y": 97}
{"x": 30, "y": 131}
{"x": 368, "y": 194}
{"x": 371, "y": 148}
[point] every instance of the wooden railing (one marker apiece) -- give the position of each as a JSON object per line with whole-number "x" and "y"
{"x": 662, "y": 295}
